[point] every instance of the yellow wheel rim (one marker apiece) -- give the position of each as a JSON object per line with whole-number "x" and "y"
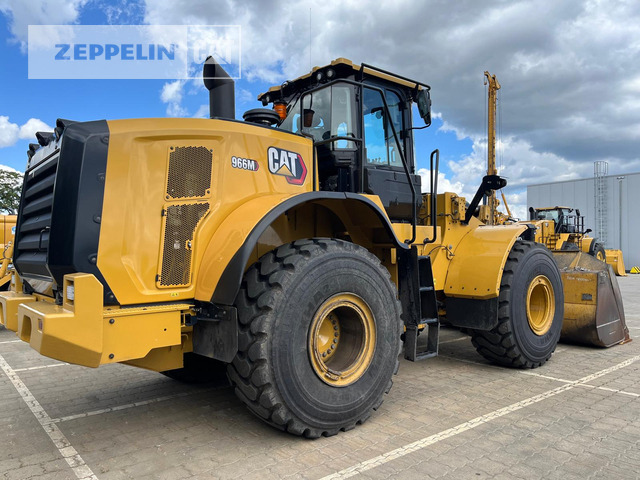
{"x": 541, "y": 305}
{"x": 342, "y": 339}
{"x": 600, "y": 256}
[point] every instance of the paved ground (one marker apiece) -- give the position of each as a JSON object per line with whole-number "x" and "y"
{"x": 454, "y": 416}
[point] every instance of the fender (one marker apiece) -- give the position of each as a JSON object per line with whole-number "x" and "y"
{"x": 231, "y": 246}
{"x": 472, "y": 298}
{"x": 475, "y": 271}
{"x": 588, "y": 245}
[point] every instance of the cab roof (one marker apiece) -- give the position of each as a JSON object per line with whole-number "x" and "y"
{"x": 546, "y": 209}
{"x": 339, "y": 68}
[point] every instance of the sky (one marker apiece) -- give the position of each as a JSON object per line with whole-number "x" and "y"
{"x": 569, "y": 70}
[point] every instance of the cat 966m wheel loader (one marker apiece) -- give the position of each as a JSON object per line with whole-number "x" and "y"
{"x": 294, "y": 246}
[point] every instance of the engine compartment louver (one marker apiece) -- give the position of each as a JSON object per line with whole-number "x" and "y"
{"x": 180, "y": 223}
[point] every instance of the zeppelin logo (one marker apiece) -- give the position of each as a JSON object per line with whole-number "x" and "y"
{"x": 288, "y": 164}
{"x": 244, "y": 164}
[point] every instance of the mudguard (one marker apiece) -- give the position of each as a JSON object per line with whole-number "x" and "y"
{"x": 478, "y": 260}
{"x": 229, "y": 250}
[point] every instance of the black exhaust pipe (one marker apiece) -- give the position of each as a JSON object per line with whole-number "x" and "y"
{"x": 222, "y": 92}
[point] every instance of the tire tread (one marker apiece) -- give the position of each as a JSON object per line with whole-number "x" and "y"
{"x": 249, "y": 370}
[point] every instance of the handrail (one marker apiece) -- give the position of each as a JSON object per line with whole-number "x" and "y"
{"x": 433, "y": 186}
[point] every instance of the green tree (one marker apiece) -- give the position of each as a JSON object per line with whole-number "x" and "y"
{"x": 10, "y": 188}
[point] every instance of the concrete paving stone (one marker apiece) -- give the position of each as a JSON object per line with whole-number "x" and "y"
{"x": 452, "y": 461}
{"x": 582, "y": 432}
{"x": 24, "y": 472}
{"x": 488, "y": 466}
{"x": 521, "y": 470}
{"x": 173, "y": 473}
{"x": 54, "y": 476}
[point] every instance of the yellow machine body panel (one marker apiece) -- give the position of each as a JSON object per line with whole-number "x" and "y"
{"x": 81, "y": 331}
{"x": 477, "y": 261}
{"x": 7, "y": 222}
{"x": 171, "y": 184}
{"x": 614, "y": 258}
{"x": 230, "y": 234}
{"x": 7, "y": 227}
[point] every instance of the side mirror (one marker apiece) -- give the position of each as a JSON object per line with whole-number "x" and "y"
{"x": 423, "y": 98}
{"x": 587, "y": 231}
{"x": 578, "y": 212}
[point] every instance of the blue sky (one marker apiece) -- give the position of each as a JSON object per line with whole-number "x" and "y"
{"x": 570, "y": 74}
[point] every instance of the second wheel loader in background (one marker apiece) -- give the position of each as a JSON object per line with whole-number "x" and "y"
{"x": 593, "y": 312}
{"x": 294, "y": 247}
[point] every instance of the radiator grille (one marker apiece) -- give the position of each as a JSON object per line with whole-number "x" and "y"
{"x": 32, "y": 236}
{"x": 189, "y": 172}
{"x": 180, "y": 224}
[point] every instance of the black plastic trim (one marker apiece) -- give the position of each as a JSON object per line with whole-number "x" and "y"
{"x": 229, "y": 283}
{"x": 78, "y": 198}
{"x": 472, "y": 313}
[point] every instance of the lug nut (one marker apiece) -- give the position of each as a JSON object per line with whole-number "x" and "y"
{"x": 336, "y": 334}
{"x": 335, "y": 327}
{"x": 324, "y": 354}
{"x": 335, "y": 340}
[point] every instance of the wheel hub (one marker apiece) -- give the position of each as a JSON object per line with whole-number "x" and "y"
{"x": 541, "y": 305}
{"x": 342, "y": 339}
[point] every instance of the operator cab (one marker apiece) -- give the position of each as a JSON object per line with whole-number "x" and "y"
{"x": 565, "y": 222}
{"x": 359, "y": 118}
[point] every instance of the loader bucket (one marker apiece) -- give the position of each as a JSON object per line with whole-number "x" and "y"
{"x": 593, "y": 310}
{"x": 614, "y": 258}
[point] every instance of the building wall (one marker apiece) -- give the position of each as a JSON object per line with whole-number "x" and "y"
{"x": 623, "y": 203}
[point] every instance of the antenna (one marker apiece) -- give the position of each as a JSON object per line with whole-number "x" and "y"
{"x": 310, "y": 66}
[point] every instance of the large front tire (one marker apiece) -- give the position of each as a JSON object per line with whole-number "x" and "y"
{"x": 599, "y": 252}
{"x": 530, "y": 311}
{"x": 319, "y": 339}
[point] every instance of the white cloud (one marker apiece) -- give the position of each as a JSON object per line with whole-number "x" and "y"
{"x": 10, "y": 169}
{"x": 8, "y": 132}
{"x": 569, "y": 70}
{"x": 444, "y": 184}
{"x": 244, "y": 96}
{"x": 202, "y": 112}
{"x": 24, "y": 13}
{"x": 33, "y": 125}
{"x": 171, "y": 94}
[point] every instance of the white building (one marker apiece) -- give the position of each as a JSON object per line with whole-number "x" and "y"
{"x": 620, "y": 195}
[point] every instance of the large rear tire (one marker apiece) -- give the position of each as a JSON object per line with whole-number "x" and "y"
{"x": 319, "y": 337}
{"x": 530, "y": 311}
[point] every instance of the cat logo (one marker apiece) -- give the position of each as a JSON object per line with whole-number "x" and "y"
{"x": 288, "y": 164}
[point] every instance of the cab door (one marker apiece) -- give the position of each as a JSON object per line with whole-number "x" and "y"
{"x": 384, "y": 173}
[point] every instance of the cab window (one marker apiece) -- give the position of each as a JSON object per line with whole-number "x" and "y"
{"x": 325, "y": 113}
{"x": 381, "y": 148}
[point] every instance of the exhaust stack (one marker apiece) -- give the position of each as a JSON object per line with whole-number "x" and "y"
{"x": 222, "y": 100}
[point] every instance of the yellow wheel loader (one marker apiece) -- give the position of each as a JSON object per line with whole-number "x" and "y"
{"x": 562, "y": 228}
{"x": 593, "y": 311}
{"x": 559, "y": 228}
{"x": 293, "y": 246}
{"x": 7, "y": 229}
